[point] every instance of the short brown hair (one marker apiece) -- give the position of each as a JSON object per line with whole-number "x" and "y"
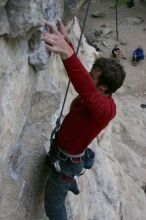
{"x": 112, "y": 73}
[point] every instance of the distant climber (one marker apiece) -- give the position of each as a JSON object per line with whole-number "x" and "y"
{"x": 90, "y": 112}
{"x": 117, "y": 53}
{"x": 138, "y": 54}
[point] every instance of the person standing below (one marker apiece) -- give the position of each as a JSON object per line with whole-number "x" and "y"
{"x": 138, "y": 55}
{"x": 117, "y": 53}
{"x": 90, "y": 112}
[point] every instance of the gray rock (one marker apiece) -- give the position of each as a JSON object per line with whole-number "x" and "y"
{"x": 3, "y": 3}
{"x": 98, "y": 33}
{"x": 27, "y": 169}
{"x": 23, "y": 16}
{"x": 133, "y": 20}
{"x": 103, "y": 25}
{"x": 92, "y": 40}
{"x": 98, "y": 14}
{"x": 91, "y": 37}
{"x": 103, "y": 32}
{"x": 39, "y": 58}
{"x": 105, "y": 44}
{"x": 35, "y": 40}
{"x": 96, "y": 46}
{"x": 27, "y": 103}
{"x": 4, "y": 25}
{"x": 71, "y": 8}
{"x": 107, "y": 31}
{"x": 95, "y": 36}
{"x": 54, "y": 9}
{"x": 1, "y": 118}
{"x": 123, "y": 43}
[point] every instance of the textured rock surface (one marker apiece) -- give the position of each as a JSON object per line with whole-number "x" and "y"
{"x": 23, "y": 15}
{"x": 55, "y": 9}
{"x": 4, "y": 25}
{"x": 134, "y": 20}
{"x": 71, "y": 8}
{"x": 29, "y": 104}
{"x": 98, "y": 14}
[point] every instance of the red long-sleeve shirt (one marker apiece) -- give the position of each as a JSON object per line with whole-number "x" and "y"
{"x": 90, "y": 112}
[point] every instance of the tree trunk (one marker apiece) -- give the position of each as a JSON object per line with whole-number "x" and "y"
{"x": 116, "y": 8}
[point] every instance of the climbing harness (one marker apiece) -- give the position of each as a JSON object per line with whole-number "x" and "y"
{"x": 55, "y": 130}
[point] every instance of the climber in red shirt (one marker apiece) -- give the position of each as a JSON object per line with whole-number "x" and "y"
{"x": 90, "y": 112}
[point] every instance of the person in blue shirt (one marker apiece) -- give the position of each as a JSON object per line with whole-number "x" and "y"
{"x": 138, "y": 54}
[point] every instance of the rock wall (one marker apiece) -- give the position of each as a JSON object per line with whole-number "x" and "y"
{"x": 32, "y": 85}
{"x": 27, "y": 104}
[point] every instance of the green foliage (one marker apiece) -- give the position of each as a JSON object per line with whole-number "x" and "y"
{"x": 119, "y": 2}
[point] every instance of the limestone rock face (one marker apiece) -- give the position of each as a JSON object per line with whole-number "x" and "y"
{"x": 4, "y": 25}
{"x": 23, "y": 15}
{"x": 71, "y": 8}
{"x": 31, "y": 95}
{"x": 28, "y": 100}
{"x": 55, "y": 9}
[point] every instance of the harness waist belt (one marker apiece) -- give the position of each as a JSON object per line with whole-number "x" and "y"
{"x": 65, "y": 156}
{"x": 70, "y": 155}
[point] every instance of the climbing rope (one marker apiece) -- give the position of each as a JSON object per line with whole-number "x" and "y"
{"x": 67, "y": 89}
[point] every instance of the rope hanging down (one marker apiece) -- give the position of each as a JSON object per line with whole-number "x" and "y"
{"x": 79, "y": 43}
